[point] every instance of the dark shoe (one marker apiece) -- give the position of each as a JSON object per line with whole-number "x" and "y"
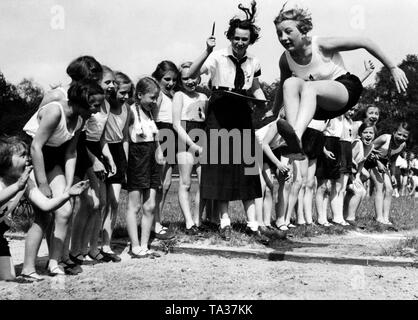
{"x": 207, "y": 226}
{"x": 71, "y": 268}
{"x": 164, "y": 234}
{"x": 276, "y": 233}
{"x": 76, "y": 260}
{"x": 266, "y": 231}
{"x": 225, "y": 233}
{"x": 257, "y": 236}
{"x": 99, "y": 257}
{"x": 294, "y": 145}
{"x": 112, "y": 256}
{"x": 193, "y": 231}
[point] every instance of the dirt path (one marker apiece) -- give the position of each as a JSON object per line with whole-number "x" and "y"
{"x": 183, "y": 276}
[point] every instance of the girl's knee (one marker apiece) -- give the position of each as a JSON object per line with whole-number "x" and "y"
{"x": 149, "y": 207}
{"x": 292, "y": 83}
{"x": 186, "y": 184}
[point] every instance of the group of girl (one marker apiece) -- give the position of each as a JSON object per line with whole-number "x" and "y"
{"x": 107, "y": 130}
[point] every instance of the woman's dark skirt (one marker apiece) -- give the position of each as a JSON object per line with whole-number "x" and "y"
{"x": 229, "y": 181}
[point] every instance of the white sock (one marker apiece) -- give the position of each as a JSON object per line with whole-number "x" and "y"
{"x": 136, "y": 250}
{"x": 107, "y": 249}
{"x": 225, "y": 222}
{"x": 253, "y": 225}
{"x": 158, "y": 227}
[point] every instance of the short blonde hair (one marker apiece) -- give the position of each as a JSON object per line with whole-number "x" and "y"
{"x": 300, "y": 15}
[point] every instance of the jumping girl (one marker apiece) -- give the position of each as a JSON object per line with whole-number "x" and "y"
{"x": 314, "y": 83}
{"x": 189, "y": 109}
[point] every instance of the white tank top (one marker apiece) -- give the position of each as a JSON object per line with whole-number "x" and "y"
{"x": 347, "y": 129}
{"x": 319, "y": 125}
{"x": 334, "y": 128}
{"x": 261, "y": 133}
{"x": 143, "y": 128}
{"x": 321, "y": 67}
{"x": 114, "y": 127}
{"x": 384, "y": 149}
{"x": 60, "y": 134}
{"x": 95, "y": 125}
{"x": 194, "y": 108}
{"x": 414, "y": 163}
{"x": 165, "y": 111}
{"x": 401, "y": 162}
{"x": 358, "y": 152}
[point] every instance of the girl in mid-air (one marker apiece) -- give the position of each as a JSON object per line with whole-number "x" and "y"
{"x": 314, "y": 83}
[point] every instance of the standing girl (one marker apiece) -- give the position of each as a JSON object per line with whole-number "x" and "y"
{"x": 388, "y": 146}
{"x": 361, "y": 149}
{"x": 143, "y": 166}
{"x": 96, "y": 161}
{"x": 55, "y": 129}
{"x": 116, "y": 137}
{"x": 167, "y": 76}
{"x": 231, "y": 70}
{"x": 189, "y": 109}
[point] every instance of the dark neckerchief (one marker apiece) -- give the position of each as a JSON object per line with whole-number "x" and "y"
{"x": 239, "y": 80}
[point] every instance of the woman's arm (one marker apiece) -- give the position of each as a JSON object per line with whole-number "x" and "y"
{"x": 49, "y": 118}
{"x": 196, "y": 68}
{"x": 346, "y": 44}
{"x": 285, "y": 73}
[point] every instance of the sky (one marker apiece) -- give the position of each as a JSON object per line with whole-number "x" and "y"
{"x": 39, "y": 38}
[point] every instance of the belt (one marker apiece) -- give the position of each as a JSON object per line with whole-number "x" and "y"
{"x": 239, "y": 91}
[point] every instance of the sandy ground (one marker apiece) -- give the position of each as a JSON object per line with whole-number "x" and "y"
{"x": 184, "y": 276}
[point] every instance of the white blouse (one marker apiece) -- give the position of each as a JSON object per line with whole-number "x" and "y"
{"x": 222, "y": 70}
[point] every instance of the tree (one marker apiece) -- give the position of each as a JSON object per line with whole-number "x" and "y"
{"x": 17, "y": 104}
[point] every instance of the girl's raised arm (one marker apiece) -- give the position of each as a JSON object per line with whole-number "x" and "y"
{"x": 353, "y": 43}
{"x": 196, "y": 68}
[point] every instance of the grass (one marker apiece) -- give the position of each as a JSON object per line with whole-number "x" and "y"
{"x": 403, "y": 214}
{"x": 405, "y": 248}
